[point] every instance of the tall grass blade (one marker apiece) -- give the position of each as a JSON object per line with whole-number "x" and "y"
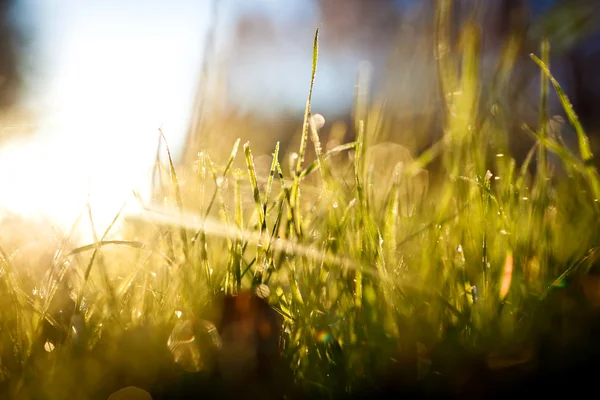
{"x": 585, "y": 149}
{"x": 177, "y": 192}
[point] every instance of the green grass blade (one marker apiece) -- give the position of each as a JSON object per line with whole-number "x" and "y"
{"x": 545, "y": 52}
{"x": 178, "y": 197}
{"x": 305, "y": 127}
{"x": 585, "y": 149}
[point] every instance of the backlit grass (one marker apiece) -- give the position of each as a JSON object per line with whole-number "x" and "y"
{"x": 371, "y": 268}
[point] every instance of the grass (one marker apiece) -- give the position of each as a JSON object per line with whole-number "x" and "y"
{"x": 373, "y": 276}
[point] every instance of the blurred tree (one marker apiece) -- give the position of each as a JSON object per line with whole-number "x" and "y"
{"x": 15, "y": 120}
{"x": 9, "y": 55}
{"x": 364, "y": 22}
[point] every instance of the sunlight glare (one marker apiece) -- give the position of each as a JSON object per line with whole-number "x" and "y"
{"x": 109, "y": 92}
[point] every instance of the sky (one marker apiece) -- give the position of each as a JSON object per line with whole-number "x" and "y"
{"x": 106, "y": 75}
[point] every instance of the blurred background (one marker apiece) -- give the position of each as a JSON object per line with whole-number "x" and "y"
{"x": 88, "y": 84}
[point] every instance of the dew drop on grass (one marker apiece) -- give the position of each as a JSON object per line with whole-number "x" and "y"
{"x": 318, "y": 121}
{"x": 178, "y": 313}
{"x": 459, "y": 248}
{"x": 49, "y": 346}
{"x": 263, "y": 291}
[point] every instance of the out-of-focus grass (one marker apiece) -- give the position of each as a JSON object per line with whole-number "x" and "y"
{"x": 371, "y": 269}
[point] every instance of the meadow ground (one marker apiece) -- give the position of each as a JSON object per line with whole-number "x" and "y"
{"x": 377, "y": 278}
